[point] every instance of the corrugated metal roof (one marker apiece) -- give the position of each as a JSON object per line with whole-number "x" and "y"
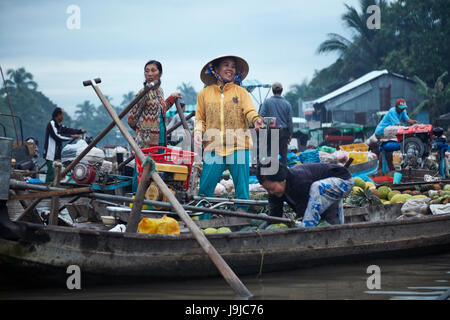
{"x": 355, "y": 83}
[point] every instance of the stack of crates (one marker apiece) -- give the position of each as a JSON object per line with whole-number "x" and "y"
{"x": 358, "y": 151}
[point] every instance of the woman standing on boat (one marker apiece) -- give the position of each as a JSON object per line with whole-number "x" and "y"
{"x": 224, "y": 112}
{"x": 314, "y": 190}
{"x": 148, "y": 116}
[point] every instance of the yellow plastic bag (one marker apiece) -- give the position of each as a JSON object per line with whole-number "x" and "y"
{"x": 164, "y": 225}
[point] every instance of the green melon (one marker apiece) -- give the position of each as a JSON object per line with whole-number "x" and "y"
{"x": 358, "y": 182}
{"x": 384, "y": 191}
{"x": 393, "y": 193}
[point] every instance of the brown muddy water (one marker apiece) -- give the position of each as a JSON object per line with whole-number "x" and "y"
{"x": 416, "y": 278}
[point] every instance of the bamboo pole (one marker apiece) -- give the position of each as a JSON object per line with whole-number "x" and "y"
{"x": 220, "y": 263}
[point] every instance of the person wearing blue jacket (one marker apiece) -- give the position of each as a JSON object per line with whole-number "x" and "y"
{"x": 395, "y": 116}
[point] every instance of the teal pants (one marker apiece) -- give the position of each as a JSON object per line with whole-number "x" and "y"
{"x": 214, "y": 165}
{"x": 50, "y": 176}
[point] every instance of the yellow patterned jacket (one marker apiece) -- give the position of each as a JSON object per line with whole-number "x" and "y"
{"x": 223, "y": 117}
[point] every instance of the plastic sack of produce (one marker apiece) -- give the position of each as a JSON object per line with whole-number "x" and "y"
{"x": 164, "y": 225}
{"x": 326, "y": 157}
{"x": 69, "y": 152}
{"x": 342, "y": 156}
{"x": 414, "y": 207}
{"x": 390, "y": 132}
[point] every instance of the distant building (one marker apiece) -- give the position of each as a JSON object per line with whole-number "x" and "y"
{"x": 360, "y": 100}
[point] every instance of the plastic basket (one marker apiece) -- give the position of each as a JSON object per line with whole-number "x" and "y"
{"x": 168, "y": 156}
{"x": 361, "y": 147}
{"x": 358, "y": 157}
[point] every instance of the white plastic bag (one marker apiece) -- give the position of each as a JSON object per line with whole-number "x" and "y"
{"x": 69, "y": 152}
{"x": 220, "y": 190}
{"x": 390, "y": 132}
{"x": 326, "y": 157}
{"x": 440, "y": 208}
{"x": 118, "y": 228}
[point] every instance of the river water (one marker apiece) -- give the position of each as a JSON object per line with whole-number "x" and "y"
{"x": 424, "y": 278}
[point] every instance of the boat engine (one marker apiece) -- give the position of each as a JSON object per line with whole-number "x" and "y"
{"x": 86, "y": 173}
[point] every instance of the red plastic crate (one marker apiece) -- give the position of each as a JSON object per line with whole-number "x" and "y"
{"x": 168, "y": 156}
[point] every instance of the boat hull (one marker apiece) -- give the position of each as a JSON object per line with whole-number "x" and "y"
{"x": 122, "y": 255}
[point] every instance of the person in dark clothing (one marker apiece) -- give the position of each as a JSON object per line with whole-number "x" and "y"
{"x": 279, "y": 108}
{"x": 314, "y": 190}
{"x": 55, "y": 135}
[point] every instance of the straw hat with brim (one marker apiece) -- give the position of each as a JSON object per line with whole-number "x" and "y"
{"x": 209, "y": 78}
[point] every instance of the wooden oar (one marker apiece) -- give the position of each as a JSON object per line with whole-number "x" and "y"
{"x": 220, "y": 263}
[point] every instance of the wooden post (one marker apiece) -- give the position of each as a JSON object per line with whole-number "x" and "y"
{"x": 181, "y": 114}
{"x": 54, "y": 210}
{"x": 215, "y": 257}
{"x": 176, "y": 125}
{"x": 135, "y": 215}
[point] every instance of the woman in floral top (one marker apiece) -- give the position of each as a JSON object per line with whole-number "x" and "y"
{"x": 148, "y": 116}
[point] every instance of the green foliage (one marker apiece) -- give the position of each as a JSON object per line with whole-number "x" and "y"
{"x": 32, "y": 107}
{"x": 412, "y": 41}
{"x": 437, "y": 98}
{"x": 188, "y": 92}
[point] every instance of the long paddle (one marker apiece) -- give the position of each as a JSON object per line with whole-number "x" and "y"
{"x": 220, "y": 263}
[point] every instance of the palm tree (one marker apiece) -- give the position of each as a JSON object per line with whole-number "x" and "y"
{"x": 127, "y": 98}
{"x": 363, "y": 52}
{"x": 20, "y": 79}
{"x": 188, "y": 92}
{"x": 436, "y": 99}
{"x": 85, "y": 110}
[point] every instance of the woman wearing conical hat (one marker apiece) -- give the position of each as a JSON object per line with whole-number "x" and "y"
{"x": 223, "y": 116}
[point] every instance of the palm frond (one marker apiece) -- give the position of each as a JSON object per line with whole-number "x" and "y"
{"x": 421, "y": 85}
{"x": 439, "y": 84}
{"x": 335, "y": 42}
{"x": 417, "y": 109}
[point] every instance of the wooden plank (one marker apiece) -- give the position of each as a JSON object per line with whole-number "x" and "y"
{"x": 49, "y": 194}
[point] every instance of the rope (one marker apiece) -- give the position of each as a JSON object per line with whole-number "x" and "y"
{"x": 149, "y": 159}
{"x": 237, "y": 78}
{"x": 262, "y": 254}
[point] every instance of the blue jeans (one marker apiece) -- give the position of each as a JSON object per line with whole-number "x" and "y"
{"x": 323, "y": 194}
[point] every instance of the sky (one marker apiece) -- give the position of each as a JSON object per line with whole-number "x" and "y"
{"x": 115, "y": 39}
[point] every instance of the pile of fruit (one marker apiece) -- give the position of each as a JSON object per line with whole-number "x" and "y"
{"x": 366, "y": 193}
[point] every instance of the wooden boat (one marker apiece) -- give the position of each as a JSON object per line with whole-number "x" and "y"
{"x": 370, "y": 232}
